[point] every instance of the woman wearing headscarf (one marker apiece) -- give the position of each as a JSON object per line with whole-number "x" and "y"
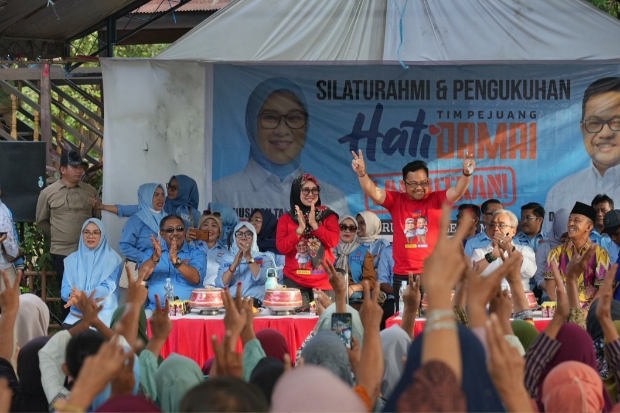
{"x": 95, "y": 266}
{"x": 525, "y": 332}
{"x": 395, "y": 343}
{"x": 33, "y": 319}
{"x": 266, "y": 225}
{"x": 212, "y": 224}
{"x": 325, "y": 349}
{"x": 28, "y": 394}
{"x": 182, "y": 200}
{"x": 560, "y": 227}
{"x": 136, "y": 237}
{"x": 354, "y": 258}
{"x": 175, "y": 377}
{"x": 572, "y": 386}
{"x": 128, "y": 403}
{"x": 368, "y": 231}
{"x": 322, "y": 391}
{"x": 245, "y": 264}
{"x": 276, "y": 124}
{"x": 229, "y": 220}
{"x": 9, "y": 246}
{"x": 572, "y": 343}
{"x": 306, "y": 236}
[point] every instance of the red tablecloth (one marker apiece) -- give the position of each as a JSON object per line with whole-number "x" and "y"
{"x": 191, "y": 334}
{"x": 539, "y": 323}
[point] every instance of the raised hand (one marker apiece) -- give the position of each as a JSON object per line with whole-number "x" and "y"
{"x": 172, "y": 251}
{"x": 136, "y": 290}
{"x": 161, "y": 326}
{"x": 562, "y": 309}
{"x": 579, "y": 263}
{"x": 412, "y": 295}
{"x": 371, "y": 312}
{"x": 312, "y": 217}
{"x": 6, "y": 395}
{"x": 501, "y": 305}
{"x": 469, "y": 164}
{"x": 157, "y": 251}
{"x": 125, "y": 381}
{"x": 358, "y": 164}
{"x": 3, "y": 238}
{"x": 238, "y": 258}
{"x": 89, "y": 307}
{"x": 235, "y": 318}
{"x": 355, "y": 353}
{"x": 9, "y": 297}
{"x": 96, "y": 204}
{"x": 227, "y": 360}
{"x": 300, "y": 220}
{"x": 605, "y": 293}
{"x": 338, "y": 285}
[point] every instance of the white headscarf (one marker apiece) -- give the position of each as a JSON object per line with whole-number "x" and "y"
{"x": 373, "y": 226}
{"x": 234, "y": 248}
{"x": 33, "y": 319}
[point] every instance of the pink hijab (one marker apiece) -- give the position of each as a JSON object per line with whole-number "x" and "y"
{"x": 322, "y": 392}
{"x": 573, "y": 387}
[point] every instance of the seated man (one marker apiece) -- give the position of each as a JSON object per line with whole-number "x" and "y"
{"x": 580, "y": 225}
{"x": 532, "y": 216}
{"x": 483, "y": 239}
{"x": 176, "y": 259}
{"x": 473, "y": 223}
{"x": 602, "y": 204}
{"x": 504, "y": 225}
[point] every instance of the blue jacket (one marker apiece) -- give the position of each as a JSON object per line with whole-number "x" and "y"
{"x": 252, "y": 286}
{"x": 136, "y": 239}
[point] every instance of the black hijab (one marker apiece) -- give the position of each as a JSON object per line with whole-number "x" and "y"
{"x": 32, "y": 397}
{"x": 266, "y": 238}
{"x": 320, "y": 212}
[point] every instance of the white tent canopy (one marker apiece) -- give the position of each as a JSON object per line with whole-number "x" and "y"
{"x": 158, "y": 110}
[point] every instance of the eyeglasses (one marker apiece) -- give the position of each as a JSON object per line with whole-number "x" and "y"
{"x": 414, "y": 184}
{"x": 272, "y": 120}
{"x": 172, "y": 187}
{"x": 348, "y": 228}
{"x": 256, "y": 220}
{"x": 501, "y": 226}
{"x": 529, "y": 218}
{"x": 172, "y": 229}
{"x": 244, "y": 235}
{"x": 215, "y": 214}
{"x": 314, "y": 191}
{"x": 597, "y": 125}
{"x": 93, "y": 233}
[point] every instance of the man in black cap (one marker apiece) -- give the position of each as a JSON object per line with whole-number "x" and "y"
{"x": 580, "y": 224}
{"x": 63, "y": 207}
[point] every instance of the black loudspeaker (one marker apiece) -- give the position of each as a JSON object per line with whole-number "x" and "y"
{"x": 22, "y": 171}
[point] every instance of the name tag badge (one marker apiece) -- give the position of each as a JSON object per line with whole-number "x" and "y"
{"x": 303, "y": 272}
{"x": 416, "y": 245}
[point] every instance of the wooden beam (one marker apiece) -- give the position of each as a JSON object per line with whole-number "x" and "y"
{"x": 46, "y": 112}
{"x": 56, "y": 73}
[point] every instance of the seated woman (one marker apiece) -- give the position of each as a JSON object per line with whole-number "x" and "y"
{"x": 307, "y": 236}
{"x": 136, "y": 237}
{"x": 354, "y": 258}
{"x": 229, "y": 220}
{"x": 174, "y": 258}
{"x": 368, "y": 231}
{"x": 212, "y": 225}
{"x": 93, "y": 267}
{"x": 182, "y": 200}
{"x": 266, "y": 224}
{"x": 245, "y": 263}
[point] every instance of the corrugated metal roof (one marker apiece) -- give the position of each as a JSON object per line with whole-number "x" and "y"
{"x": 156, "y": 6}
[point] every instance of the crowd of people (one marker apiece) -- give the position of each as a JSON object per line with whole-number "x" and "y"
{"x": 479, "y": 351}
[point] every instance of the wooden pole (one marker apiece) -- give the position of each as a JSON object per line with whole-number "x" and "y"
{"x": 14, "y": 116}
{"x": 46, "y": 112}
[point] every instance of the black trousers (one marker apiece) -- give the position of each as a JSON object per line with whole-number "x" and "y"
{"x": 59, "y": 266}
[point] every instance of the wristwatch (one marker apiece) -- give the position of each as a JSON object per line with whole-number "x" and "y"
{"x": 251, "y": 261}
{"x": 490, "y": 257}
{"x": 177, "y": 263}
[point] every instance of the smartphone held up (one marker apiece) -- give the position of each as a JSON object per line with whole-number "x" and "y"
{"x": 342, "y": 326}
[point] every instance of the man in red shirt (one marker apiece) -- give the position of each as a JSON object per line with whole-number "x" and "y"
{"x": 420, "y": 205}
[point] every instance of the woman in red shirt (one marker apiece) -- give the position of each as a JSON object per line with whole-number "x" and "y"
{"x": 306, "y": 236}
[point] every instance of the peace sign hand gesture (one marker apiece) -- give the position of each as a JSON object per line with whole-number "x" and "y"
{"x": 469, "y": 164}
{"x": 358, "y": 164}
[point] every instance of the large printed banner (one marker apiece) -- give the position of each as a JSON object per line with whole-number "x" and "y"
{"x": 521, "y": 123}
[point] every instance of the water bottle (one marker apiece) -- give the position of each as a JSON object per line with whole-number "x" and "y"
{"x": 401, "y": 301}
{"x": 169, "y": 289}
